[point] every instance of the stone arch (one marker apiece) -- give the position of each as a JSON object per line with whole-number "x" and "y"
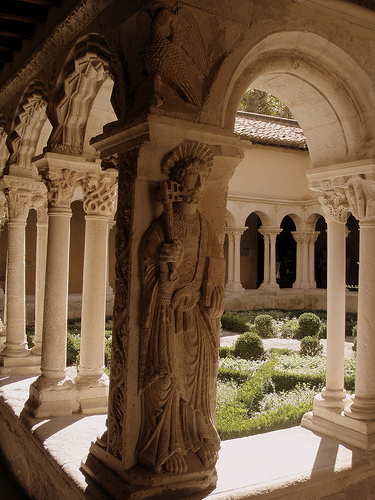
{"x": 86, "y": 69}
{"x": 26, "y": 128}
{"x": 327, "y": 91}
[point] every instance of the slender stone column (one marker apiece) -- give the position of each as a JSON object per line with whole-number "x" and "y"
{"x": 109, "y": 290}
{"x": 15, "y": 357}
{"x": 269, "y": 281}
{"x": 53, "y": 393}
{"x": 299, "y": 257}
{"x": 92, "y": 382}
{"x": 266, "y": 264}
{"x": 3, "y": 218}
{"x": 40, "y": 277}
{"x": 313, "y": 238}
{"x": 230, "y": 262}
{"x": 238, "y": 232}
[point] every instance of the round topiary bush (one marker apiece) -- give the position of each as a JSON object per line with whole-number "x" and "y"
{"x": 263, "y": 326}
{"x": 308, "y": 325}
{"x": 323, "y": 331}
{"x": 249, "y": 345}
{"x": 310, "y": 346}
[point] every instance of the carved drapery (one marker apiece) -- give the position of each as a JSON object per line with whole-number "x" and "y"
{"x": 126, "y": 186}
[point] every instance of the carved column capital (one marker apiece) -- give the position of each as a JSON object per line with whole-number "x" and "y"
{"x": 99, "y": 192}
{"x": 60, "y": 183}
{"x": 360, "y": 193}
{"x": 22, "y": 195}
{"x": 270, "y": 231}
{"x": 305, "y": 236}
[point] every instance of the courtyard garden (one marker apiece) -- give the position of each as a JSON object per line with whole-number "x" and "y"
{"x": 259, "y": 388}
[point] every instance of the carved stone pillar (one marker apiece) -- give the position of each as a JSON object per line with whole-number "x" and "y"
{"x": 91, "y": 381}
{"x": 40, "y": 276}
{"x": 236, "y": 234}
{"x": 269, "y": 280}
{"x": 22, "y": 194}
{"x": 53, "y": 393}
{"x": 109, "y": 290}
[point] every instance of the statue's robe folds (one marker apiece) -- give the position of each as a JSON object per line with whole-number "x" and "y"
{"x": 179, "y": 343}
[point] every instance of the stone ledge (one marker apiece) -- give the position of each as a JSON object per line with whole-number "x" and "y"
{"x": 291, "y": 463}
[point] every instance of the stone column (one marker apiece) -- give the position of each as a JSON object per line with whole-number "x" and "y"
{"x": 53, "y": 393}
{"x": 3, "y": 219}
{"x": 22, "y": 194}
{"x": 40, "y": 276}
{"x": 361, "y": 195}
{"x": 92, "y": 382}
{"x": 269, "y": 281}
{"x": 305, "y": 269}
{"x": 230, "y": 262}
{"x": 109, "y": 290}
{"x": 313, "y": 238}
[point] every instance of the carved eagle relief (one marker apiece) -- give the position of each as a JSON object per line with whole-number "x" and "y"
{"x": 173, "y": 52}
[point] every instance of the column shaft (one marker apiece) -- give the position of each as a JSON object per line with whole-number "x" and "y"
{"x": 56, "y": 295}
{"x": 266, "y": 274}
{"x": 272, "y": 277}
{"x": 363, "y": 406}
{"x": 93, "y": 298}
{"x": 230, "y": 263}
{"x": 237, "y": 258}
{"x": 15, "y": 344}
{"x": 299, "y": 257}
{"x": 40, "y": 281}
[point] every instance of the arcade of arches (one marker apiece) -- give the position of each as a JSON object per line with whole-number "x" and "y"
{"x": 117, "y": 123}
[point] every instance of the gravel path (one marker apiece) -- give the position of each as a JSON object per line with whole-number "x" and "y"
{"x": 229, "y": 338}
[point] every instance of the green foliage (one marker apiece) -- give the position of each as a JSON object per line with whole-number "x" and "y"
{"x": 236, "y": 369}
{"x": 311, "y": 346}
{"x": 72, "y": 348}
{"x": 249, "y": 346}
{"x": 225, "y": 352}
{"x": 252, "y": 391}
{"x": 257, "y": 101}
{"x": 354, "y": 333}
{"x": 308, "y": 325}
{"x": 294, "y": 369}
{"x": 107, "y": 348}
{"x": 234, "y": 322}
{"x": 30, "y": 336}
{"x": 288, "y": 328}
{"x": 323, "y": 331}
{"x": 263, "y": 326}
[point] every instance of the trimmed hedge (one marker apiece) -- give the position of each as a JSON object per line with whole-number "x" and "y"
{"x": 249, "y": 345}
{"x": 263, "y": 326}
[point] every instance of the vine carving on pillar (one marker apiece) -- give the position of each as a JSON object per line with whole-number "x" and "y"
{"x": 126, "y": 179}
{"x": 335, "y": 206}
{"x": 183, "y": 299}
{"x": 360, "y": 192}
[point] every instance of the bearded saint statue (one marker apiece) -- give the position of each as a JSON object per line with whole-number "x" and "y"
{"x": 183, "y": 299}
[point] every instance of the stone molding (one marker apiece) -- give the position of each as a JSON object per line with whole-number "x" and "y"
{"x": 305, "y": 236}
{"x": 99, "y": 192}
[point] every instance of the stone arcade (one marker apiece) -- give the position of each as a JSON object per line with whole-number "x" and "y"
{"x": 141, "y": 98}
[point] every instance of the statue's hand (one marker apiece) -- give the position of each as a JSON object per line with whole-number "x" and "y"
{"x": 171, "y": 256}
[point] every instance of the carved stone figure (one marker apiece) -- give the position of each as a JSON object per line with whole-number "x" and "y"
{"x": 173, "y": 51}
{"x": 183, "y": 298}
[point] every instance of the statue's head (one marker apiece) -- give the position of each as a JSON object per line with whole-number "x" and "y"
{"x": 189, "y": 164}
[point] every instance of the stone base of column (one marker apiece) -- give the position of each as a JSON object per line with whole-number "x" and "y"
{"x": 140, "y": 483}
{"x": 332, "y": 422}
{"x": 52, "y": 398}
{"x": 234, "y": 287}
{"x": 26, "y": 365}
{"x": 269, "y": 286}
{"x": 92, "y": 394}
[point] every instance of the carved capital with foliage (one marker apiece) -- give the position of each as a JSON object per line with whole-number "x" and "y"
{"x": 22, "y": 195}
{"x": 360, "y": 193}
{"x": 60, "y": 184}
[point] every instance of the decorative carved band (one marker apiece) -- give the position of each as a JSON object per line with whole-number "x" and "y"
{"x": 99, "y": 193}
{"x": 116, "y": 405}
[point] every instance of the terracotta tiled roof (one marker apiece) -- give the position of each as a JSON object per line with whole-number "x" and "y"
{"x": 270, "y": 130}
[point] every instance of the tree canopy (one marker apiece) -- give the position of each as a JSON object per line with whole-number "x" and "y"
{"x": 257, "y": 101}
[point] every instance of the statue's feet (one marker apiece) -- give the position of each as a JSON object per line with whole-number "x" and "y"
{"x": 176, "y": 463}
{"x": 207, "y": 454}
